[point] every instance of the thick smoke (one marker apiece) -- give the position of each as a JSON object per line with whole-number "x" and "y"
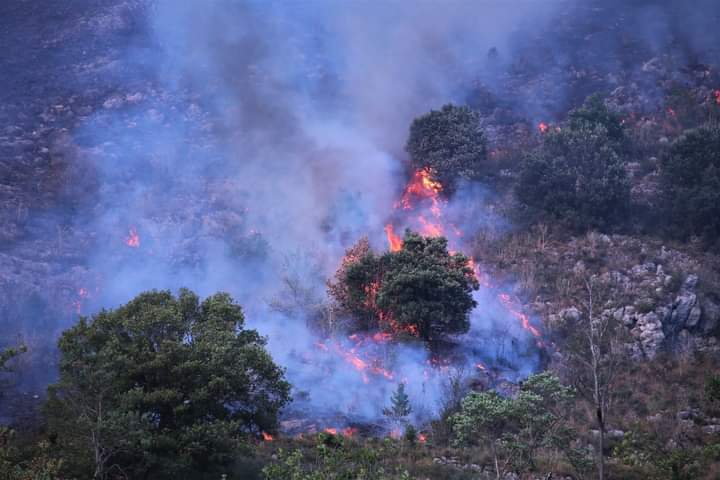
{"x": 243, "y": 146}
{"x": 270, "y": 141}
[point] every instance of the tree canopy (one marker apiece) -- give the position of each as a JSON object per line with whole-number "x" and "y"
{"x": 577, "y": 176}
{"x": 451, "y": 142}
{"x": 690, "y": 176}
{"x": 166, "y": 384}
{"x": 421, "y": 289}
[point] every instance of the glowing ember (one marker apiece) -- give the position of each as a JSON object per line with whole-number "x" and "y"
{"x": 331, "y": 431}
{"x": 133, "y": 239}
{"x": 349, "y": 432}
{"x": 543, "y": 127}
{"x": 353, "y": 355}
{"x": 422, "y": 438}
{"x": 481, "y": 366}
{"x": 394, "y": 241}
{"x": 267, "y": 437}
{"x": 716, "y": 94}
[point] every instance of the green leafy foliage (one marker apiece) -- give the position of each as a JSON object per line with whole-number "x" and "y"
{"x": 690, "y": 179}
{"x": 577, "y": 176}
{"x": 41, "y": 466}
{"x": 163, "y": 386}
{"x": 518, "y": 429}
{"x": 450, "y": 142}
{"x": 542, "y": 408}
{"x": 343, "y": 460}
{"x": 594, "y": 112}
{"x": 421, "y": 288}
{"x": 657, "y": 458}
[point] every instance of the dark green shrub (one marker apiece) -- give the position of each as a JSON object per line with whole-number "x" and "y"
{"x": 690, "y": 179}
{"x": 451, "y": 143}
{"x": 576, "y": 177}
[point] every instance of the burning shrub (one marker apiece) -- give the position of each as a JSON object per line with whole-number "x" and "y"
{"x": 451, "y": 143}
{"x": 420, "y": 289}
{"x": 577, "y": 175}
{"x": 164, "y": 384}
{"x": 690, "y": 177}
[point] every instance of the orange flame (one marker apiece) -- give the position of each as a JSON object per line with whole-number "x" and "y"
{"x": 524, "y": 320}
{"x": 422, "y": 438}
{"x": 421, "y": 185}
{"x": 331, "y": 431}
{"x": 543, "y": 127}
{"x": 430, "y": 229}
{"x": 481, "y": 366}
{"x": 394, "y": 241}
{"x": 267, "y": 437}
{"x": 349, "y": 432}
{"x": 716, "y": 94}
{"x": 133, "y": 240}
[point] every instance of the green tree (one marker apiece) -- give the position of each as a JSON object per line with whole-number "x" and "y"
{"x": 595, "y": 112}
{"x": 400, "y": 406}
{"x": 690, "y": 180}
{"x": 451, "y": 143}
{"x": 484, "y": 418}
{"x": 542, "y": 408}
{"x": 576, "y": 177}
{"x": 163, "y": 387}
{"x": 421, "y": 289}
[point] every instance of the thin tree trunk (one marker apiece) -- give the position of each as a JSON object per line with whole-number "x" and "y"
{"x": 497, "y": 467}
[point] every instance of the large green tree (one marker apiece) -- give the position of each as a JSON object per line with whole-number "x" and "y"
{"x": 451, "y": 143}
{"x": 577, "y": 175}
{"x": 421, "y": 289}
{"x": 690, "y": 177}
{"x": 164, "y": 386}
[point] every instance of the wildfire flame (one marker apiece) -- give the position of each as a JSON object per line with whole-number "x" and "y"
{"x": 507, "y": 301}
{"x": 422, "y": 438}
{"x": 543, "y": 127}
{"x": 394, "y": 241}
{"x": 267, "y": 437}
{"x": 353, "y": 355}
{"x": 421, "y": 188}
{"x": 716, "y": 94}
{"x": 133, "y": 239}
{"x": 421, "y": 185}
